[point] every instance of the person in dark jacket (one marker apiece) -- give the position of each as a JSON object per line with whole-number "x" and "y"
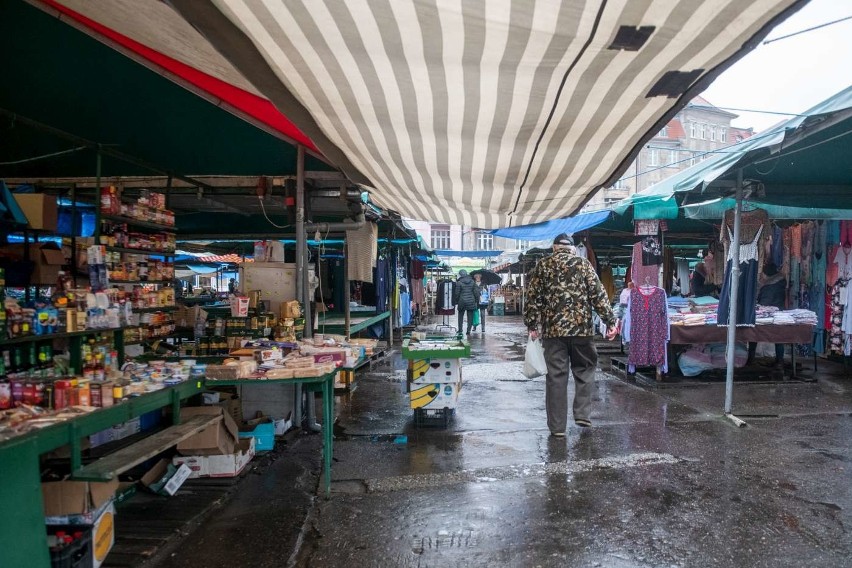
{"x": 698, "y": 286}
{"x": 772, "y": 292}
{"x": 466, "y": 298}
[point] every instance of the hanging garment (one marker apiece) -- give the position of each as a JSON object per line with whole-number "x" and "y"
{"x": 832, "y": 232}
{"x": 651, "y": 251}
{"x": 747, "y": 294}
{"x": 839, "y": 299}
{"x": 417, "y": 269}
{"x": 640, "y": 273}
{"x": 608, "y": 281}
{"x": 683, "y": 276}
{"x": 590, "y": 255}
{"x": 754, "y": 224}
{"x": 776, "y": 248}
{"x": 646, "y": 227}
{"x": 817, "y": 291}
{"x": 444, "y": 302}
{"x": 647, "y": 328}
{"x": 362, "y": 250}
{"x": 845, "y": 233}
{"x": 807, "y": 253}
{"x": 843, "y": 260}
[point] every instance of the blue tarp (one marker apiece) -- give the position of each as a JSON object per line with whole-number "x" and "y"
{"x": 549, "y": 229}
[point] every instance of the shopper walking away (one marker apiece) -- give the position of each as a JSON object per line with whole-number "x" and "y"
{"x": 484, "y": 298}
{"x": 563, "y": 291}
{"x": 772, "y": 292}
{"x": 466, "y": 298}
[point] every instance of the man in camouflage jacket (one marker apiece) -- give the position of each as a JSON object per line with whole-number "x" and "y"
{"x": 563, "y": 290}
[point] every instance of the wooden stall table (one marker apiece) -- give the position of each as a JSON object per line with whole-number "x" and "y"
{"x": 795, "y": 334}
{"x": 326, "y": 384}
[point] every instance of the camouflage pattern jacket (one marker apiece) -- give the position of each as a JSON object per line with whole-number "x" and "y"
{"x": 563, "y": 290}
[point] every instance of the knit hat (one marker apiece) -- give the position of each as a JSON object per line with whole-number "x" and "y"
{"x": 563, "y": 239}
{"x": 462, "y": 272}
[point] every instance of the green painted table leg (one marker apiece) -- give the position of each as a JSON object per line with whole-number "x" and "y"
{"x": 328, "y": 432}
{"x": 23, "y": 538}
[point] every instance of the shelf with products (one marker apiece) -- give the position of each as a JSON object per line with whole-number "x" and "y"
{"x": 137, "y": 223}
{"x": 141, "y": 282}
{"x": 155, "y": 309}
{"x": 140, "y": 251}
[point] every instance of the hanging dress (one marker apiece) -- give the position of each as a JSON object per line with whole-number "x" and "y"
{"x": 647, "y": 330}
{"x": 747, "y": 296}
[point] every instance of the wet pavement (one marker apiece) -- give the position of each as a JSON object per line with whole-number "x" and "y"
{"x": 660, "y": 480}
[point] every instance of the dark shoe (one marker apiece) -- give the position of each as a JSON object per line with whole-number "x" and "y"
{"x": 583, "y": 423}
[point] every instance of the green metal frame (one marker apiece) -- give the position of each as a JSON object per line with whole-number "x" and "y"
{"x": 334, "y": 323}
{"x": 418, "y": 354}
{"x": 323, "y": 383}
{"x": 22, "y": 532}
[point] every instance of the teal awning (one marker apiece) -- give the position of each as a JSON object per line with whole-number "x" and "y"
{"x": 789, "y": 164}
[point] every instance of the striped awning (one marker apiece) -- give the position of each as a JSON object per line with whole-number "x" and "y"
{"x": 487, "y": 114}
{"x": 225, "y": 258}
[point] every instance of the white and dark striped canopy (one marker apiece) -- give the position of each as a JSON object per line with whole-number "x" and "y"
{"x": 486, "y": 113}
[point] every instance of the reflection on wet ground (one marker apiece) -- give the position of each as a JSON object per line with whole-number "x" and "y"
{"x": 660, "y": 480}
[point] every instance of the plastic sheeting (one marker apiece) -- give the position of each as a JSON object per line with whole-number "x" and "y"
{"x": 549, "y": 229}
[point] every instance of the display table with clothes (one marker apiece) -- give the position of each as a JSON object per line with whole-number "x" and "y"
{"x": 794, "y": 334}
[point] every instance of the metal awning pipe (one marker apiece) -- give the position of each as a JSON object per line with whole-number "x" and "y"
{"x": 734, "y": 297}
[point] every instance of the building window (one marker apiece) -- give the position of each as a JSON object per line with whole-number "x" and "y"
{"x": 619, "y": 184}
{"x": 664, "y": 133}
{"x": 440, "y": 237}
{"x": 521, "y": 244}
{"x": 693, "y": 130}
{"x": 702, "y": 131}
{"x": 712, "y": 132}
{"x": 484, "y": 241}
{"x": 723, "y": 134}
{"x": 653, "y": 157}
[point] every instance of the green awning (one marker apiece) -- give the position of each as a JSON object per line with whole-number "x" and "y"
{"x": 805, "y": 157}
{"x": 61, "y": 77}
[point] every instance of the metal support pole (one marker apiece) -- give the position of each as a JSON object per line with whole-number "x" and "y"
{"x": 302, "y": 282}
{"x": 347, "y": 312}
{"x": 733, "y": 296}
{"x": 300, "y": 257}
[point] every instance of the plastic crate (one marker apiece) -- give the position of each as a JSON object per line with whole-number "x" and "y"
{"x": 433, "y": 418}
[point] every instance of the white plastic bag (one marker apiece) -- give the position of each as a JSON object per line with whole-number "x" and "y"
{"x": 534, "y": 365}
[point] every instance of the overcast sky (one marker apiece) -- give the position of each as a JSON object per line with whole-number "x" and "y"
{"x": 793, "y": 74}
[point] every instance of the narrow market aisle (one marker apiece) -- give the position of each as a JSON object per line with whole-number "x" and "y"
{"x": 655, "y": 482}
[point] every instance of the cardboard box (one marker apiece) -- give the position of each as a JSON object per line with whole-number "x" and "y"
{"x": 103, "y": 535}
{"x": 233, "y": 407}
{"x": 164, "y": 478}
{"x": 263, "y": 431}
{"x": 291, "y": 309}
{"x": 47, "y": 260}
{"x": 40, "y": 209}
{"x": 330, "y": 355}
{"x": 435, "y": 370}
{"x": 218, "y": 439}
{"x": 219, "y": 466}
{"x": 117, "y": 432}
{"x": 435, "y": 395}
{"x": 75, "y": 502}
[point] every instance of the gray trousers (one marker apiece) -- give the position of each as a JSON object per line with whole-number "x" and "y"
{"x": 469, "y": 318}
{"x": 582, "y": 356}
